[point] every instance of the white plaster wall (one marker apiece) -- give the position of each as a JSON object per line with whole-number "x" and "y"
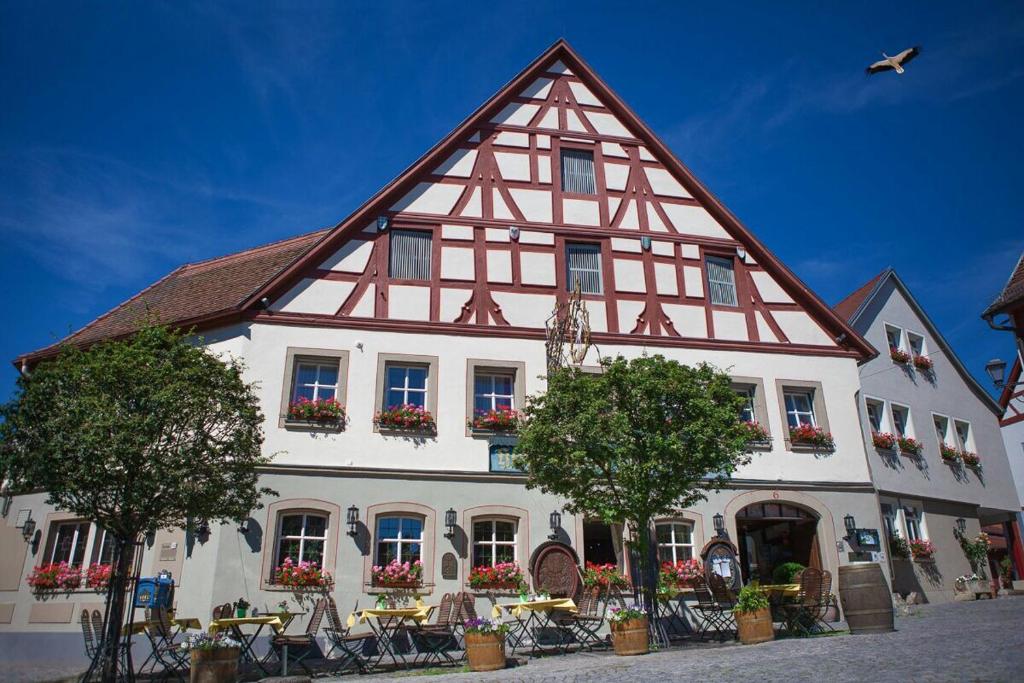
{"x": 499, "y": 266}
{"x": 801, "y": 328}
{"x": 538, "y": 90}
{"x": 1013, "y": 438}
{"x": 314, "y": 296}
{"x": 516, "y": 114}
{"x": 350, "y": 258}
{"x": 629, "y": 276}
{"x": 459, "y": 164}
{"x": 583, "y": 94}
{"x": 689, "y": 321}
{"x": 730, "y": 325}
{"x": 580, "y": 212}
{"x": 408, "y": 302}
{"x": 606, "y": 124}
{"x": 615, "y": 176}
{"x": 693, "y": 281}
{"x": 663, "y": 183}
{"x": 769, "y": 289}
{"x": 513, "y": 166}
{"x": 457, "y": 263}
{"x": 434, "y": 198}
{"x": 693, "y": 220}
{"x": 537, "y": 268}
{"x": 535, "y": 204}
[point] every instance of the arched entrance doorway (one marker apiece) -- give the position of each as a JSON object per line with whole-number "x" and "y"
{"x": 771, "y": 533}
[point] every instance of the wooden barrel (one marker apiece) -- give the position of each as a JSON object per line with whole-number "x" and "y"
{"x": 219, "y": 665}
{"x": 867, "y": 601}
{"x": 755, "y": 627}
{"x": 630, "y": 637}
{"x": 485, "y": 651}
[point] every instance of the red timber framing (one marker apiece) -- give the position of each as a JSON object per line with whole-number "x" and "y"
{"x": 1012, "y": 398}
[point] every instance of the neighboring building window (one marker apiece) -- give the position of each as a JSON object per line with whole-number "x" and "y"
{"x": 912, "y": 517}
{"x": 675, "y": 541}
{"x": 399, "y": 538}
{"x": 889, "y": 520}
{"x": 941, "y": 429}
{"x": 747, "y": 413}
{"x": 494, "y": 541}
{"x": 799, "y": 408}
{"x": 406, "y": 384}
{"x": 900, "y": 420}
{"x": 894, "y": 335}
{"x": 916, "y": 342}
{"x": 875, "y": 411}
{"x": 69, "y": 539}
{"x": 315, "y": 379}
{"x": 493, "y": 390}
{"x": 578, "y": 171}
{"x": 106, "y": 548}
{"x": 410, "y": 255}
{"x": 583, "y": 264}
{"x": 963, "y": 434}
{"x": 302, "y": 537}
{"x": 721, "y": 282}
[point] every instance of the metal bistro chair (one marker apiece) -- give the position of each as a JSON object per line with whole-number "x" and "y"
{"x": 166, "y": 653}
{"x": 710, "y": 613}
{"x": 584, "y": 624}
{"x": 805, "y": 613}
{"x": 434, "y": 641}
{"x": 350, "y": 646}
{"x": 90, "y": 643}
{"x": 725, "y": 599}
{"x": 302, "y": 648}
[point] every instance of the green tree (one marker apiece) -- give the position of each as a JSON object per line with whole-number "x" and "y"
{"x": 152, "y": 432}
{"x": 633, "y": 442}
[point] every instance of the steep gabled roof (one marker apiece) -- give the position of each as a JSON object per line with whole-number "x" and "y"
{"x": 1013, "y": 292}
{"x": 866, "y": 293}
{"x": 192, "y": 294}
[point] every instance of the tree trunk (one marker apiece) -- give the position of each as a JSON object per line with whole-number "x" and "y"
{"x": 106, "y": 662}
{"x": 646, "y": 595}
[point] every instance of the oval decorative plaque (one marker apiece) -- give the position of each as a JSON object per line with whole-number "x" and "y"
{"x": 449, "y": 567}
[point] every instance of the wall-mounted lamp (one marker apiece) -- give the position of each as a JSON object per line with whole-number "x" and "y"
{"x": 352, "y": 519}
{"x": 850, "y": 523}
{"x": 996, "y": 369}
{"x": 28, "y": 529}
{"x": 513, "y": 233}
{"x": 449, "y": 523}
{"x": 382, "y": 223}
{"x": 961, "y": 524}
{"x": 555, "y": 522}
{"x": 719, "y": 522}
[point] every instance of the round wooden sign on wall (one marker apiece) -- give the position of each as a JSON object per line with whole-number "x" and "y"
{"x": 555, "y": 569}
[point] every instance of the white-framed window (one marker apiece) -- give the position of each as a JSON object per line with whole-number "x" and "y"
{"x": 69, "y": 540}
{"x": 406, "y": 384}
{"x": 941, "y": 429}
{"x": 494, "y": 541}
{"x": 583, "y": 264}
{"x": 302, "y": 537}
{"x": 494, "y": 390}
{"x": 799, "y": 407}
{"x": 578, "y": 171}
{"x": 410, "y": 255}
{"x": 889, "y": 520}
{"x": 894, "y": 336}
{"x": 315, "y": 379}
{"x": 748, "y": 392}
{"x": 105, "y": 547}
{"x": 721, "y": 281}
{"x": 901, "y": 420}
{"x": 913, "y": 521}
{"x": 916, "y": 343}
{"x": 964, "y": 437}
{"x": 399, "y": 538}
{"x": 876, "y": 414}
{"x": 675, "y": 541}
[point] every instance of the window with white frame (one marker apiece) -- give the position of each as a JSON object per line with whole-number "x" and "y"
{"x": 894, "y": 336}
{"x": 963, "y": 434}
{"x": 721, "y": 281}
{"x": 799, "y": 407}
{"x": 747, "y": 393}
{"x": 69, "y": 540}
{"x": 916, "y": 343}
{"x": 103, "y": 551}
{"x": 494, "y": 541}
{"x": 889, "y": 520}
{"x": 912, "y": 518}
{"x": 578, "y": 171}
{"x": 675, "y": 541}
{"x": 399, "y": 538}
{"x": 900, "y": 420}
{"x": 315, "y": 379}
{"x": 941, "y": 429}
{"x": 410, "y": 255}
{"x": 493, "y": 390}
{"x": 302, "y": 537}
{"x": 583, "y": 265}
{"x": 876, "y": 413}
{"x": 406, "y": 384}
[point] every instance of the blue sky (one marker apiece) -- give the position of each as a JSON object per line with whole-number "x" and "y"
{"x": 137, "y": 136}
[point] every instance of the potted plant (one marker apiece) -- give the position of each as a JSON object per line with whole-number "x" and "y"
{"x": 923, "y": 363}
{"x": 629, "y": 630}
{"x": 502, "y": 576}
{"x": 405, "y": 417}
{"x": 1006, "y": 573}
{"x": 214, "y": 658}
{"x": 899, "y": 548}
{"x": 921, "y": 549}
{"x": 950, "y": 455}
{"x": 785, "y": 572}
{"x": 485, "y": 644}
{"x": 809, "y": 435}
{"x": 970, "y": 459}
{"x": 899, "y": 355}
{"x": 319, "y": 410}
{"x": 603, "y": 576}
{"x": 397, "y": 574}
{"x": 302, "y": 576}
{"x": 503, "y": 420}
{"x": 677, "y": 576}
{"x": 56, "y": 576}
{"x": 883, "y": 440}
{"x": 753, "y": 615}
{"x": 241, "y": 608}
{"x": 757, "y": 433}
{"x": 909, "y": 445}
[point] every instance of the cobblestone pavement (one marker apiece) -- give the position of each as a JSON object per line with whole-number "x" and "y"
{"x": 960, "y": 641}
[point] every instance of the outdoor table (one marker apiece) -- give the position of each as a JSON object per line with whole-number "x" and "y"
{"x": 782, "y": 590}
{"x": 386, "y": 624}
{"x": 672, "y": 622}
{"x": 286, "y": 618}
{"x": 248, "y": 640}
{"x": 537, "y": 616}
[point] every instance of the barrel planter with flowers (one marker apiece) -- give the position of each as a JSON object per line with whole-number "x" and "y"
{"x": 629, "y": 630}
{"x": 753, "y": 616}
{"x": 485, "y": 644}
{"x": 214, "y": 658}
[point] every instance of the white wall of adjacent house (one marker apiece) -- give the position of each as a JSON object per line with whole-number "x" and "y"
{"x": 264, "y": 350}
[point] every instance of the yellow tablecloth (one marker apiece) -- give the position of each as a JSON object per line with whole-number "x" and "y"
{"x": 789, "y": 590}
{"x": 184, "y": 624}
{"x": 420, "y": 612}
{"x": 224, "y": 624}
{"x": 516, "y": 608}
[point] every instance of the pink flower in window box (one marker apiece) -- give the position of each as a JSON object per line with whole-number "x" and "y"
{"x": 397, "y": 574}
{"x": 923, "y": 363}
{"x": 922, "y": 549}
{"x": 949, "y": 453}
{"x": 316, "y": 410}
{"x": 970, "y": 459}
{"x": 910, "y": 445}
{"x": 501, "y": 420}
{"x": 808, "y": 435}
{"x": 883, "y": 440}
{"x": 407, "y": 416}
{"x": 899, "y": 355}
{"x": 756, "y": 432}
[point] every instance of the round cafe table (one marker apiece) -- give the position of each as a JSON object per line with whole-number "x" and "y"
{"x": 535, "y": 615}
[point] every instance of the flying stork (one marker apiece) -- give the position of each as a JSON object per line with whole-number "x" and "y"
{"x": 895, "y": 63}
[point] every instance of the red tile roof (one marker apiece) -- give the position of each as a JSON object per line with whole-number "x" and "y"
{"x": 850, "y": 305}
{"x": 1012, "y": 293}
{"x": 193, "y": 292}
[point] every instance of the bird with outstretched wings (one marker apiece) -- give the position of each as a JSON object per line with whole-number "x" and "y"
{"x": 894, "y": 63}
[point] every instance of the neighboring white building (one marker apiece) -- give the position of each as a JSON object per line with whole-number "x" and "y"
{"x": 435, "y": 292}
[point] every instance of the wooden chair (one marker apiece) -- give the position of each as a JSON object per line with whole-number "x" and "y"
{"x": 584, "y": 624}
{"x": 434, "y": 641}
{"x": 803, "y": 615}
{"x": 349, "y": 646}
{"x": 97, "y": 626}
{"x": 710, "y": 612}
{"x": 303, "y": 648}
{"x": 87, "y": 634}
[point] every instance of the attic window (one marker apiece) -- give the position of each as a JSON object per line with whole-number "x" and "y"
{"x": 578, "y": 171}
{"x": 722, "y": 282}
{"x": 410, "y": 255}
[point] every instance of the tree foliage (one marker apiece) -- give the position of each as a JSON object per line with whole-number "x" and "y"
{"x": 136, "y": 435}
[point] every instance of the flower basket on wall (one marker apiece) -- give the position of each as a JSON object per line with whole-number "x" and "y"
{"x": 883, "y": 440}
{"x": 97, "y": 577}
{"x": 504, "y": 420}
{"x": 54, "y": 577}
{"x": 397, "y": 574}
{"x": 909, "y": 445}
{"x": 949, "y": 454}
{"x": 326, "y": 411}
{"x": 405, "y": 417}
{"x": 899, "y": 355}
{"x": 757, "y": 433}
{"x": 970, "y": 459}
{"x": 502, "y": 576}
{"x": 676, "y": 576}
{"x": 923, "y": 363}
{"x": 921, "y": 549}
{"x": 816, "y": 437}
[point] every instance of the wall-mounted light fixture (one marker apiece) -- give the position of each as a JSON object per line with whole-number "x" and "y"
{"x": 719, "y": 522}
{"x": 28, "y": 528}
{"x": 449, "y": 523}
{"x": 850, "y": 523}
{"x": 741, "y": 253}
{"x": 555, "y": 522}
{"x": 352, "y": 519}
{"x": 996, "y": 369}
{"x": 961, "y": 524}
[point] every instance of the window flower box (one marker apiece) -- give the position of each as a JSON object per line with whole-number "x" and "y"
{"x": 884, "y": 440}
{"x": 899, "y": 548}
{"x": 674, "y": 577}
{"x": 405, "y": 417}
{"x": 970, "y": 459}
{"x": 950, "y": 455}
{"x": 757, "y": 434}
{"x": 923, "y": 363}
{"x": 502, "y": 576}
{"x": 899, "y": 355}
{"x": 814, "y": 437}
{"x": 921, "y": 549}
{"x": 504, "y": 421}
{"x": 909, "y": 445}
{"x": 97, "y": 576}
{"x": 604, "y": 576}
{"x": 56, "y": 576}
{"x": 397, "y": 574}
{"x": 322, "y": 411}
{"x": 302, "y": 576}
